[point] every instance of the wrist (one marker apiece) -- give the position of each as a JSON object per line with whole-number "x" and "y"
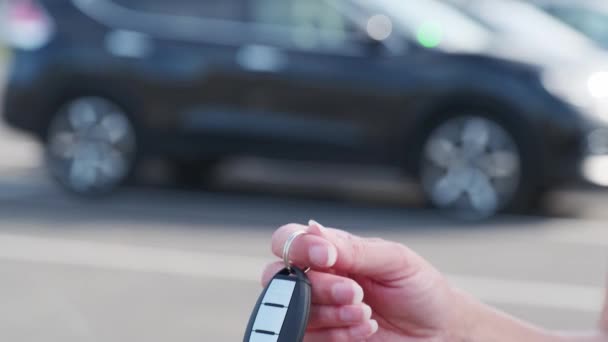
{"x": 466, "y": 315}
{"x": 473, "y": 321}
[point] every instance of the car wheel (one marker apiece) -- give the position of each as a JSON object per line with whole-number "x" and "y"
{"x": 472, "y": 166}
{"x": 91, "y": 146}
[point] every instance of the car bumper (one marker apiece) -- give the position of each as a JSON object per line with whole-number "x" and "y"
{"x": 594, "y": 165}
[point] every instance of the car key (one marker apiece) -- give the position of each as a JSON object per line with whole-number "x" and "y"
{"x": 281, "y": 313}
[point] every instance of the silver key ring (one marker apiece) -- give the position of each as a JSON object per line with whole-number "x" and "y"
{"x": 287, "y": 246}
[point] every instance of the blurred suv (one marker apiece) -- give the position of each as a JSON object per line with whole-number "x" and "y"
{"x": 105, "y": 83}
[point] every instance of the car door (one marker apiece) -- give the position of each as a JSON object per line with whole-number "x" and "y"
{"x": 184, "y": 60}
{"x": 319, "y": 84}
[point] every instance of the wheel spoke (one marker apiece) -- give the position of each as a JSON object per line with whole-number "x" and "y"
{"x": 451, "y": 187}
{"x": 441, "y": 151}
{"x": 82, "y": 174}
{"x": 482, "y": 194}
{"x": 82, "y": 115}
{"x": 475, "y": 137}
{"x": 115, "y": 127}
{"x": 499, "y": 164}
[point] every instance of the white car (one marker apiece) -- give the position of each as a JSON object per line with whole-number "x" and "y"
{"x": 590, "y": 17}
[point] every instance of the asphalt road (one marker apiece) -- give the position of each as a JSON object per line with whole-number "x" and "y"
{"x": 159, "y": 264}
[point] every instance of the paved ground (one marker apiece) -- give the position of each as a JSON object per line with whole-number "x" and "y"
{"x": 157, "y": 264}
{"x": 161, "y": 265}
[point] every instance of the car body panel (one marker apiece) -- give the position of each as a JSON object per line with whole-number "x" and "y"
{"x": 243, "y": 93}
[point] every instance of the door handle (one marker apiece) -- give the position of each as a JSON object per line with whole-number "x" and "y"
{"x": 261, "y": 58}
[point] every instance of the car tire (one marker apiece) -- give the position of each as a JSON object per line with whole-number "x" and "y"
{"x": 91, "y": 146}
{"x": 475, "y": 166}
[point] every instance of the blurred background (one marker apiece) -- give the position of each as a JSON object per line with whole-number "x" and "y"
{"x": 149, "y": 148}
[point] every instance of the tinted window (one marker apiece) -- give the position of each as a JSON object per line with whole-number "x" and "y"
{"x": 214, "y": 9}
{"x": 310, "y": 23}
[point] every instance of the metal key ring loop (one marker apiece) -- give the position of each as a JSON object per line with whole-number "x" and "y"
{"x": 287, "y": 247}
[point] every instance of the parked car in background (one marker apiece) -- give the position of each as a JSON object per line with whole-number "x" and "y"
{"x": 575, "y": 67}
{"x": 529, "y": 31}
{"x": 348, "y": 81}
{"x": 530, "y": 35}
{"x": 590, "y": 17}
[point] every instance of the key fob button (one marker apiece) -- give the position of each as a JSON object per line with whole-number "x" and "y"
{"x": 281, "y": 313}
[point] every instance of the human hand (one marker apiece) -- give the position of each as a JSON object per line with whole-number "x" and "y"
{"x": 368, "y": 289}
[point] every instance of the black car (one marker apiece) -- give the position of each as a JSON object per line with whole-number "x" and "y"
{"x": 104, "y": 83}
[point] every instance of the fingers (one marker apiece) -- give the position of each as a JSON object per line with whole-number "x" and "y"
{"x": 338, "y": 313}
{"x": 375, "y": 258}
{"x": 355, "y": 333}
{"x": 333, "y": 316}
{"x": 307, "y": 250}
{"x": 327, "y": 289}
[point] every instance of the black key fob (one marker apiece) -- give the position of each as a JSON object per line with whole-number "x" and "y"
{"x": 281, "y": 313}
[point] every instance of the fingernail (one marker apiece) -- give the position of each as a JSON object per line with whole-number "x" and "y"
{"x": 367, "y": 311}
{"x": 364, "y": 330}
{"x": 312, "y": 223}
{"x": 347, "y": 293}
{"x": 323, "y": 256}
{"x": 374, "y": 325}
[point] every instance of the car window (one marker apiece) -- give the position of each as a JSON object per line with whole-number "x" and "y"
{"x": 212, "y": 9}
{"x": 309, "y": 23}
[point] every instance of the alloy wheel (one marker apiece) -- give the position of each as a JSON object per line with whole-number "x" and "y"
{"x": 471, "y": 165}
{"x": 91, "y": 145}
